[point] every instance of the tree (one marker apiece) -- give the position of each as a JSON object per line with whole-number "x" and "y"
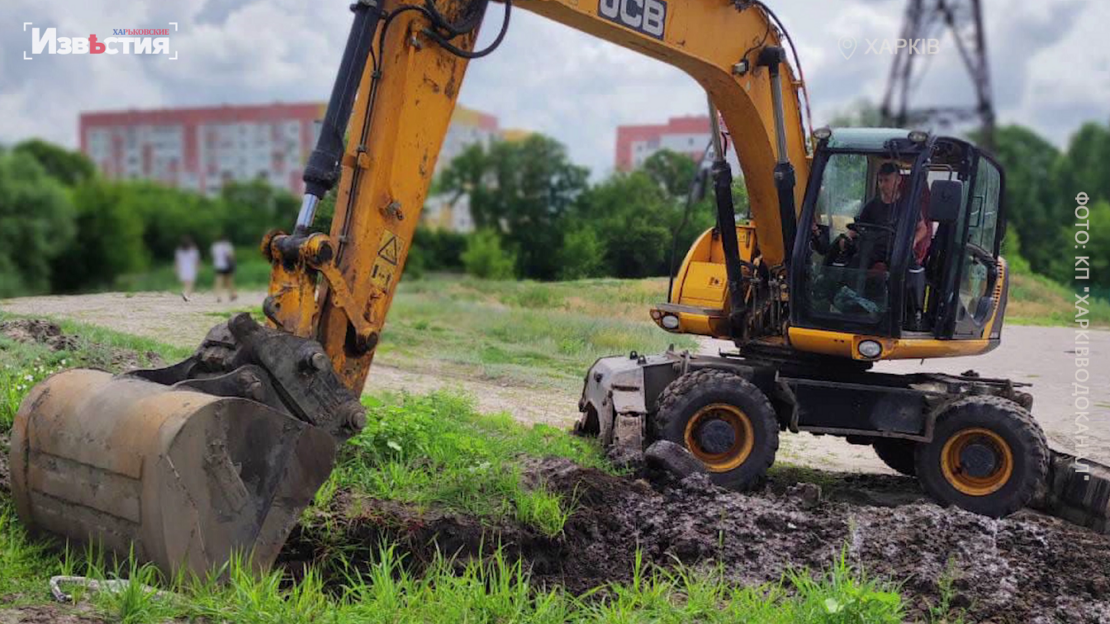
{"x": 68, "y": 167}
{"x": 110, "y": 240}
{"x": 524, "y": 190}
{"x": 169, "y": 214}
{"x": 36, "y": 224}
{"x": 1034, "y": 207}
{"x": 630, "y": 214}
{"x": 250, "y": 209}
{"x": 485, "y": 258}
{"x": 582, "y": 255}
{"x": 671, "y": 170}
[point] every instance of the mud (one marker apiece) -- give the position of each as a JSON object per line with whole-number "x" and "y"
{"x": 1026, "y": 568}
{"x": 95, "y": 355}
{"x": 49, "y": 614}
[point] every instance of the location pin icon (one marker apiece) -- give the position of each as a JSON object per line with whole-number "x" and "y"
{"x": 847, "y": 47}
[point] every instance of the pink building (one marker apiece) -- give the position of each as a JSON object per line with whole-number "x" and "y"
{"x": 686, "y": 135}
{"x": 200, "y": 149}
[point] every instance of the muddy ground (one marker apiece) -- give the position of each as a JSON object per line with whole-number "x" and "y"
{"x": 1027, "y": 568}
{"x": 50, "y": 334}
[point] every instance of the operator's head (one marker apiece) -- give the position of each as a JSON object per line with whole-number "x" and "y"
{"x": 888, "y": 181}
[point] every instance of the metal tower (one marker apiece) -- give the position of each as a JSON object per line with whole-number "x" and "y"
{"x": 926, "y": 19}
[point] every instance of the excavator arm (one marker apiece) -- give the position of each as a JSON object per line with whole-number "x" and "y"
{"x": 407, "y": 92}
{"x": 218, "y": 454}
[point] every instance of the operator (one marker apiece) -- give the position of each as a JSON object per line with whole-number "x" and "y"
{"x": 881, "y": 211}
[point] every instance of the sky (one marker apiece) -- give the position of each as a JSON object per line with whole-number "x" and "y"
{"x": 1050, "y": 65}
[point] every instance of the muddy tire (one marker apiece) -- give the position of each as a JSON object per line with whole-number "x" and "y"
{"x": 898, "y": 454}
{"x": 725, "y": 421}
{"x": 987, "y": 456}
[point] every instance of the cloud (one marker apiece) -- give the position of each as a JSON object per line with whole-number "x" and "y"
{"x": 1050, "y": 70}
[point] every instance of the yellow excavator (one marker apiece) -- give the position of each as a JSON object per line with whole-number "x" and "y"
{"x": 888, "y": 249}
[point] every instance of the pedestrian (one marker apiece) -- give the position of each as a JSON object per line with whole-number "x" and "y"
{"x": 186, "y": 262}
{"x": 223, "y": 261}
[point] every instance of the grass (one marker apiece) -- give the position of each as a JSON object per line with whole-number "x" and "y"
{"x": 433, "y": 451}
{"x": 490, "y": 590}
{"x": 436, "y": 450}
{"x": 1037, "y": 300}
{"x": 528, "y": 333}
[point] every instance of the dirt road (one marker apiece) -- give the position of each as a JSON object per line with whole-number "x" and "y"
{"x": 1038, "y": 355}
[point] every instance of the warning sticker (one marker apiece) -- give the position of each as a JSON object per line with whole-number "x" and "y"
{"x": 385, "y": 263}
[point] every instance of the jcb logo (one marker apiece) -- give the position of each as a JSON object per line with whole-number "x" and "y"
{"x": 646, "y": 16}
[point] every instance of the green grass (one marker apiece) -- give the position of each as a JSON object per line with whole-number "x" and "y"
{"x": 1037, "y": 300}
{"x": 523, "y": 332}
{"x": 437, "y": 451}
{"x": 434, "y": 451}
{"x": 490, "y": 590}
{"x": 22, "y": 365}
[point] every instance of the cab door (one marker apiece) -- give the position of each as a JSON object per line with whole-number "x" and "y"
{"x": 972, "y": 284}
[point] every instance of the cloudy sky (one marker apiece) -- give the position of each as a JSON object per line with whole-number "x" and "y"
{"x": 1050, "y": 62}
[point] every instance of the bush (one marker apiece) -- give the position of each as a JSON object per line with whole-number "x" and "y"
{"x": 36, "y": 225}
{"x": 485, "y": 258}
{"x": 110, "y": 241}
{"x": 582, "y": 255}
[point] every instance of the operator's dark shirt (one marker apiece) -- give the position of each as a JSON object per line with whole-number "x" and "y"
{"x": 878, "y": 212}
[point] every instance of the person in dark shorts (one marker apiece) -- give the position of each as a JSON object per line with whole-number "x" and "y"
{"x": 223, "y": 261}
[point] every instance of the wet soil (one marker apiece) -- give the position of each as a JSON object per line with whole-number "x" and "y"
{"x": 49, "y": 614}
{"x": 50, "y": 334}
{"x": 1026, "y": 568}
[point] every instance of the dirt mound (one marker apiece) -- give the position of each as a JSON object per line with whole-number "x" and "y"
{"x": 38, "y": 331}
{"x": 50, "y": 334}
{"x": 1027, "y": 568}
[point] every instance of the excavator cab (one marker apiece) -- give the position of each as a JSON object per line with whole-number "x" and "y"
{"x": 898, "y": 247}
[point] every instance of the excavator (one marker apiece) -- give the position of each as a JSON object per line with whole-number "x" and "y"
{"x": 187, "y": 465}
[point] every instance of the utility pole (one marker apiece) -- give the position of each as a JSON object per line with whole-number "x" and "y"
{"x": 931, "y": 19}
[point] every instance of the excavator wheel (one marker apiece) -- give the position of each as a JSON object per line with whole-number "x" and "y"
{"x": 723, "y": 420}
{"x": 897, "y": 453}
{"x": 987, "y": 456}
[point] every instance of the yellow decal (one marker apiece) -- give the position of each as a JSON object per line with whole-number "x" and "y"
{"x": 385, "y": 263}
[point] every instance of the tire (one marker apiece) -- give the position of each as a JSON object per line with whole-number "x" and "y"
{"x": 991, "y": 428}
{"x": 730, "y": 415}
{"x": 898, "y": 454}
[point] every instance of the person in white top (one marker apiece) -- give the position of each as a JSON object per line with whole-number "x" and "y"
{"x": 186, "y": 262}
{"x": 223, "y": 260}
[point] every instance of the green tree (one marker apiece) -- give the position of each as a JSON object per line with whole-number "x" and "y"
{"x": 485, "y": 258}
{"x": 582, "y": 255}
{"x": 169, "y": 214}
{"x": 110, "y": 243}
{"x": 671, "y": 170}
{"x": 1035, "y": 208}
{"x": 524, "y": 190}
{"x": 1098, "y": 249}
{"x": 630, "y": 214}
{"x": 68, "y": 167}
{"x": 250, "y": 209}
{"x": 36, "y": 224}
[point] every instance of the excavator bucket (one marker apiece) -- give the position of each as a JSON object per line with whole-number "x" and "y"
{"x": 176, "y": 476}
